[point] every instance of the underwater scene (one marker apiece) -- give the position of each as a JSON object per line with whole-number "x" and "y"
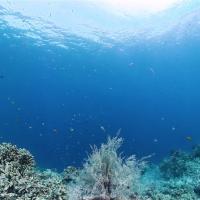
{"x": 100, "y": 100}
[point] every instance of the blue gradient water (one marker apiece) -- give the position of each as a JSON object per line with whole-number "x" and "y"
{"x": 57, "y": 102}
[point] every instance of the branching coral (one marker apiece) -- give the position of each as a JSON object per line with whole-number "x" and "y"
{"x": 179, "y": 177}
{"x": 16, "y": 160}
{"x": 106, "y": 175}
{"x": 20, "y": 181}
{"x": 175, "y": 166}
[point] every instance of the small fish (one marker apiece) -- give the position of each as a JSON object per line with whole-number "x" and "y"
{"x": 102, "y": 128}
{"x": 173, "y": 128}
{"x": 55, "y": 130}
{"x": 189, "y": 138}
{"x": 162, "y": 118}
{"x": 155, "y": 140}
{"x": 131, "y": 64}
{"x": 152, "y": 71}
{"x": 12, "y": 102}
{"x": 71, "y": 129}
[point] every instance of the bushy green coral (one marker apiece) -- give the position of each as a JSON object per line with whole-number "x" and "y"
{"x": 107, "y": 176}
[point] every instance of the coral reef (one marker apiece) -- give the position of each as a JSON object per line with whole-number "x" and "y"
{"x": 19, "y": 180}
{"x": 176, "y": 165}
{"x": 178, "y": 177}
{"x": 69, "y": 174}
{"x": 106, "y": 175}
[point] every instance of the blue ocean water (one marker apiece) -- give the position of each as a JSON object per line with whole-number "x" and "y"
{"x": 56, "y": 101}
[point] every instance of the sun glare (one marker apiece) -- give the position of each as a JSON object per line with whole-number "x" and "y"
{"x": 133, "y": 7}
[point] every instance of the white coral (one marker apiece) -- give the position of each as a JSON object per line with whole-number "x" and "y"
{"x": 107, "y": 175}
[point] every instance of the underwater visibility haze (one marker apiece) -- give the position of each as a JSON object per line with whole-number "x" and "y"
{"x": 80, "y": 73}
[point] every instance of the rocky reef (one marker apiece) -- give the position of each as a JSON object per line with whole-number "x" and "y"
{"x": 106, "y": 175}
